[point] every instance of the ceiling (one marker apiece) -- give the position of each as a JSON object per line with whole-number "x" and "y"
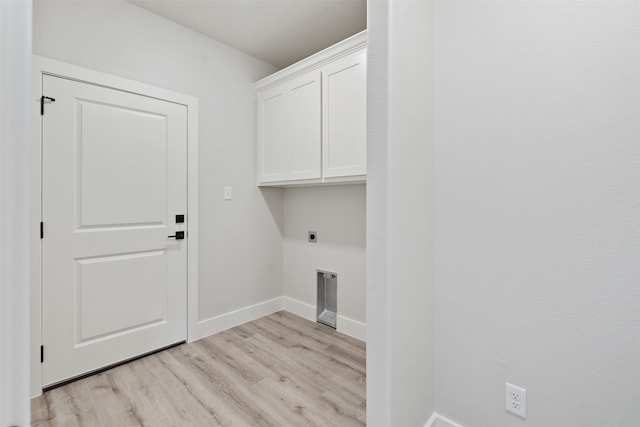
{"x": 279, "y": 32}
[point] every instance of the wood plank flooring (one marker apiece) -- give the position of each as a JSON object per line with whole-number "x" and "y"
{"x": 280, "y": 370}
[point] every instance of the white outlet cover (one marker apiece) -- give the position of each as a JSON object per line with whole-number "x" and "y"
{"x": 515, "y": 400}
{"x": 228, "y": 193}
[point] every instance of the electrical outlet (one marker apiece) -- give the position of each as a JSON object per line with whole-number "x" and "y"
{"x": 515, "y": 400}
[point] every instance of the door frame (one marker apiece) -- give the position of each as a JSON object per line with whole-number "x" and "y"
{"x": 45, "y": 66}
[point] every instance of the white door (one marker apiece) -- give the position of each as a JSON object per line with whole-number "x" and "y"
{"x": 344, "y": 113}
{"x": 114, "y": 178}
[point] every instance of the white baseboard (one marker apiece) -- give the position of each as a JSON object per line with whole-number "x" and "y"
{"x": 300, "y": 308}
{"x": 351, "y": 327}
{"x": 345, "y": 325}
{"x": 438, "y": 420}
{"x": 213, "y": 325}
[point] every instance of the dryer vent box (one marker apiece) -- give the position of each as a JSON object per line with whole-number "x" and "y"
{"x": 327, "y": 302}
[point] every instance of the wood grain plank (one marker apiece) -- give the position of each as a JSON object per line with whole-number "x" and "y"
{"x": 280, "y": 370}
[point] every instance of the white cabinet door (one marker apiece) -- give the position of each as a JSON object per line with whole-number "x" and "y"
{"x": 304, "y": 127}
{"x": 344, "y": 109}
{"x": 114, "y": 175}
{"x": 312, "y": 119}
{"x": 272, "y": 135}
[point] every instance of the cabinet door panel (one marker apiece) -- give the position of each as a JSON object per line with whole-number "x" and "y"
{"x": 272, "y": 133}
{"x": 344, "y": 133}
{"x": 304, "y": 127}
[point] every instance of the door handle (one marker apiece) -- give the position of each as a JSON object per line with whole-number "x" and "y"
{"x": 179, "y": 235}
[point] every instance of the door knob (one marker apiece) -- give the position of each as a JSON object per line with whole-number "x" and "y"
{"x": 179, "y": 235}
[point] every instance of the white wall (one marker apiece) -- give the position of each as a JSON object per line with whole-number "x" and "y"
{"x": 400, "y": 214}
{"x": 538, "y": 211}
{"x": 238, "y": 266}
{"x": 337, "y": 214}
{"x": 15, "y": 63}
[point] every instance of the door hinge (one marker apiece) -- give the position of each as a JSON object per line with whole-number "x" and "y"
{"x": 41, "y": 354}
{"x": 42, "y": 100}
{"x": 41, "y": 230}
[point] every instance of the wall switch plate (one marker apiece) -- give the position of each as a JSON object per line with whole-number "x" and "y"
{"x": 515, "y": 400}
{"x": 228, "y": 195}
{"x": 313, "y": 237}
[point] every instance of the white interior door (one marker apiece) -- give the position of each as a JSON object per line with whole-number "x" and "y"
{"x": 114, "y": 178}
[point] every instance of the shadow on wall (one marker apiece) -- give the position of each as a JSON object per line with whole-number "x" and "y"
{"x": 273, "y": 200}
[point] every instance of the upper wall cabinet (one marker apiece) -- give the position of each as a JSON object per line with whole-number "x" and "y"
{"x": 312, "y": 119}
{"x": 290, "y": 112}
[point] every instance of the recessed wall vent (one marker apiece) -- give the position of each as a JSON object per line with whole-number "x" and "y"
{"x": 327, "y": 302}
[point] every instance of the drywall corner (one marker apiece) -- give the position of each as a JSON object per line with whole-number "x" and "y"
{"x": 400, "y": 213}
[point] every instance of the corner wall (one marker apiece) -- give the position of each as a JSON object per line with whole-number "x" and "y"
{"x": 400, "y": 213}
{"x": 537, "y": 211}
{"x": 15, "y": 105}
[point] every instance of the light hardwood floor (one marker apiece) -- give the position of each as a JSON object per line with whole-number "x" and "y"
{"x": 280, "y": 370}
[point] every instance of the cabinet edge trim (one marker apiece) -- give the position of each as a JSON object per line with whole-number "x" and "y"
{"x": 343, "y": 48}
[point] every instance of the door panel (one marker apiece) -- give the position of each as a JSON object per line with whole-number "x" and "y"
{"x": 344, "y": 108}
{"x": 304, "y": 128}
{"x": 272, "y": 134}
{"x": 119, "y": 178}
{"x": 114, "y": 177}
{"x": 115, "y": 284}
